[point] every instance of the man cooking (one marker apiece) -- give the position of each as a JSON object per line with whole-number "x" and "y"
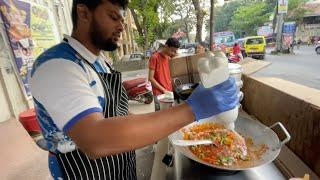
{"x": 159, "y": 72}
{"x": 82, "y": 106}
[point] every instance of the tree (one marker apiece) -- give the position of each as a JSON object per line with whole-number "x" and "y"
{"x": 146, "y": 17}
{"x": 271, "y": 5}
{"x": 211, "y": 24}
{"x": 248, "y": 18}
{"x": 200, "y": 14}
{"x": 224, "y": 15}
{"x": 296, "y": 11}
{"x": 185, "y": 11}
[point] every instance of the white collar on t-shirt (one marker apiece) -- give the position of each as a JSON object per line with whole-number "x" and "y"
{"x": 81, "y": 49}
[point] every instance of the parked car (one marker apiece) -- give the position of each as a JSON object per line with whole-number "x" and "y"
{"x": 133, "y": 57}
{"x": 255, "y": 46}
{"x": 188, "y": 48}
{"x": 136, "y": 57}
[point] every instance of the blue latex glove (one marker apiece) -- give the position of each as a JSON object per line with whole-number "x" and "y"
{"x": 207, "y": 102}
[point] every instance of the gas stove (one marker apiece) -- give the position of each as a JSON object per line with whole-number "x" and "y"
{"x": 185, "y": 169}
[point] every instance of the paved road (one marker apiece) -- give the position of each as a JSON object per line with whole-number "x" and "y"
{"x": 302, "y": 68}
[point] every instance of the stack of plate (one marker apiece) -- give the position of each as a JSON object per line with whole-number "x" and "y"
{"x": 235, "y": 71}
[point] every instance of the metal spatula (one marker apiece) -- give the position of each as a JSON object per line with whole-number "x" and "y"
{"x": 191, "y": 142}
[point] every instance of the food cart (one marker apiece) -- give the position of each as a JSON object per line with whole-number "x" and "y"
{"x": 278, "y": 166}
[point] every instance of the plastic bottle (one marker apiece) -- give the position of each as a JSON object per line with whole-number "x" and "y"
{"x": 213, "y": 70}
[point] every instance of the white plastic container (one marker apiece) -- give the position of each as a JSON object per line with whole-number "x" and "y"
{"x": 213, "y": 70}
{"x": 235, "y": 70}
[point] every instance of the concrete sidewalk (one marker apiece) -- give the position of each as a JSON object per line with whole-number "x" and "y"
{"x": 20, "y": 158}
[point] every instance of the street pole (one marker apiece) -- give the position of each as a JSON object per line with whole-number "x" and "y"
{"x": 279, "y": 32}
{"x": 211, "y": 25}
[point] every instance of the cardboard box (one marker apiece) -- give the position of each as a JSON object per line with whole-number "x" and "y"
{"x": 185, "y": 66}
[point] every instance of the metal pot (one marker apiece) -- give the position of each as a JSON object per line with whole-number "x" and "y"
{"x": 183, "y": 91}
{"x": 259, "y": 133}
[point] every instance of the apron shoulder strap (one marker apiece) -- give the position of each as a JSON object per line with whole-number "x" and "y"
{"x": 85, "y": 61}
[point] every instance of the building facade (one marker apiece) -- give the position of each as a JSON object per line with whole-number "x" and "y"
{"x": 311, "y": 22}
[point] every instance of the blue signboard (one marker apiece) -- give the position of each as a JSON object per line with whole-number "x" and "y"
{"x": 289, "y": 27}
{"x": 148, "y": 53}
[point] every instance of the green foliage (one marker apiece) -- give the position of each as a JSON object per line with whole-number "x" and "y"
{"x": 249, "y": 15}
{"x": 152, "y": 23}
{"x": 184, "y": 9}
{"x": 248, "y": 18}
{"x": 296, "y": 11}
{"x": 139, "y": 39}
{"x": 223, "y": 16}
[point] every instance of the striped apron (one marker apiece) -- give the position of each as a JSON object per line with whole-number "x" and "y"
{"x": 77, "y": 165}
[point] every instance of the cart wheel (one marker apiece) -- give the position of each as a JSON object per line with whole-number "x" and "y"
{"x": 148, "y": 98}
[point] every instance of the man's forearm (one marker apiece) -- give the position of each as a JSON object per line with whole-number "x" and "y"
{"x": 155, "y": 84}
{"x": 121, "y": 134}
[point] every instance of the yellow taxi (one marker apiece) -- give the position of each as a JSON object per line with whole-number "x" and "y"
{"x": 255, "y": 46}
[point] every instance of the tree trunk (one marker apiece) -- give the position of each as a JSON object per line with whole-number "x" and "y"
{"x": 145, "y": 31}
{"x": 211, "y": 25}
{"x": 136, "y": 21}
{"x": 187, "y": 29}
{"x": 200, "y": 17}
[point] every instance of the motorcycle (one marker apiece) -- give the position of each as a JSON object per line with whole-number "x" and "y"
{"x": 139, "y": 89}
{"x": 233, "y": 58}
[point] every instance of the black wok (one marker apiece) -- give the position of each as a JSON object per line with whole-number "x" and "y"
{"x": 183, "y": 91}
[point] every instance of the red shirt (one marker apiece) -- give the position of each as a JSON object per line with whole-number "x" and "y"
{"x": 236, "y": 49}
{"x": 160, "y": 64}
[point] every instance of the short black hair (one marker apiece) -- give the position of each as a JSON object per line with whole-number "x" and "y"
{"x": 92, "y": 5}
{"x": 173, "y": 42}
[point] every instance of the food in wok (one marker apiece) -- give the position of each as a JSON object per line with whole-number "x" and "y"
{"x": 229, "y": 148}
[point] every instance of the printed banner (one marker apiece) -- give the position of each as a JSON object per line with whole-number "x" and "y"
{"x": 282, "y": 6}
{"x": 289, "y": 27}
{"x": 30, "y": 29}
{"x": 265, "y": 31}
{"x": 43, "y": 31}
{"x": 287, "y": 39}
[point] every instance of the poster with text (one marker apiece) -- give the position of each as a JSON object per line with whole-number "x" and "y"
{"x": 16, "y": 19}
{"x": 43, "y": 30}
{"x": 282, "y": 6}
{"x": 31, "y": 30}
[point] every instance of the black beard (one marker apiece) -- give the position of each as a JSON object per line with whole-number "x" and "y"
{"x": 97, "y": 39}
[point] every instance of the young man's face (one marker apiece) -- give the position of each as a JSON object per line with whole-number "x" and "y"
{"x": 171, "y": 51}
{"x": 106, "y": 26}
